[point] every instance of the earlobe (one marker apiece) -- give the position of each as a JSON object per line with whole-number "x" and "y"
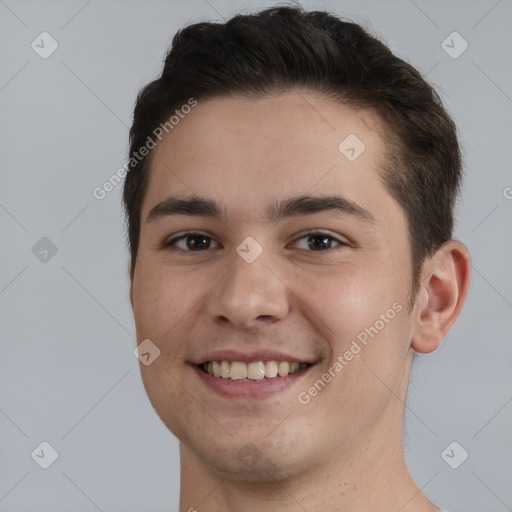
{"x": 446, "y": 279}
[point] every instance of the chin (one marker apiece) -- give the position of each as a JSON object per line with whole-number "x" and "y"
{"x": 252, "y": 458}
{"x": 265, "y": 470}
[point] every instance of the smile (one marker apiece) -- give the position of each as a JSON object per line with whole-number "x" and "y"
{"x": 254, "y": 371}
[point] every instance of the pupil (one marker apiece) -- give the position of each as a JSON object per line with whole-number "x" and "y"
{"x": 203, "y": 242}
{"x": 324, "y": 242}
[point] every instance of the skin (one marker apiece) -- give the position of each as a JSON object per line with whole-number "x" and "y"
{"x": 343, "y": 450}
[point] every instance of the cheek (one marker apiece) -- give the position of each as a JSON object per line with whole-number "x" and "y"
{"x": 366, "y": 350}
{"x": 361, "y": 312}
{"x": 344, "y": 298}
{"x": 163, "y": 297}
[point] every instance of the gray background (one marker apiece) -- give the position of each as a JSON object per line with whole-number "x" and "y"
{"x": 67, "y": 372}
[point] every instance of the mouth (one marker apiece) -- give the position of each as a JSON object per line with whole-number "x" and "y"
{"x": 252, "y": 379}
{"x": 253, "y": 371}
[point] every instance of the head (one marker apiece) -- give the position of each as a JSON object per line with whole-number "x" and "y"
{"x": 270, "y": 108}
{"x": 283, "y": 48}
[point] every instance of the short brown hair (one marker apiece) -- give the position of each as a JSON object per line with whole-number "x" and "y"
{"x": 281, "y": 48}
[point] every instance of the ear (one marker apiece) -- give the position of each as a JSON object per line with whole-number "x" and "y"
{"x": 445, "y": 283}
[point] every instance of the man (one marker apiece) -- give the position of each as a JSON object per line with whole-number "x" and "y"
{"x": 290, "y": 211}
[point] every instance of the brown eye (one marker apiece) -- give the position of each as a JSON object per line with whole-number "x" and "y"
{"x": 191, "y": 242}
{"x": 318, "y": 241}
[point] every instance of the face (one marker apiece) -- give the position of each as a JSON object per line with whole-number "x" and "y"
{"x": 292, "y": 257}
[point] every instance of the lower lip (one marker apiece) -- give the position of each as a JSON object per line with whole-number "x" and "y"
{"x": 254, "y": 389}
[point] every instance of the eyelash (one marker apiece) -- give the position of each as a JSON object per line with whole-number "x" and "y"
{"x": 170, "y": 244}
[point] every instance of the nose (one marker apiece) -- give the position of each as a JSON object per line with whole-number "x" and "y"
{"x": 249, "y": 295}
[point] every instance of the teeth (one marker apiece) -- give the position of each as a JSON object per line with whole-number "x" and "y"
{"x": 257, "y": 370}
{"x": 225, "y": 369}
{"x": 216, "y": 368}
{"x": 238, "y": 370}
{"x": 284, "y": 368}
{"x": 271, "y": 369}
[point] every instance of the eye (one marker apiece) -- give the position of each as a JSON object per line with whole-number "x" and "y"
{"x": 318, "y": 241}
{"x": 189, "y": 242}
{"x": 199, "y": 242}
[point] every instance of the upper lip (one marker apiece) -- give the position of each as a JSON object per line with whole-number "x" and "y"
{"x": 249, "y": 357}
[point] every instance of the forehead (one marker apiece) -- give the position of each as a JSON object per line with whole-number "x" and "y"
{"x": 250, "y": 151}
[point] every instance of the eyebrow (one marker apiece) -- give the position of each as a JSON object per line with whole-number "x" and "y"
{"x": 292, "y": 207}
